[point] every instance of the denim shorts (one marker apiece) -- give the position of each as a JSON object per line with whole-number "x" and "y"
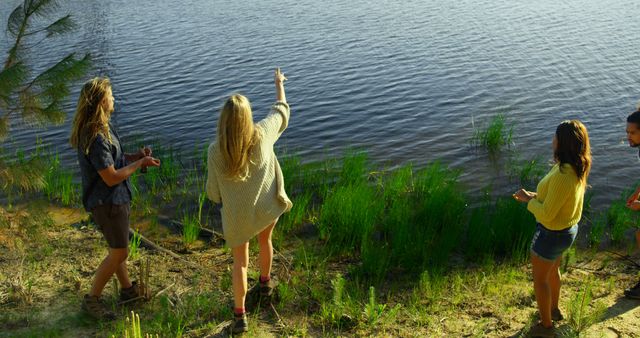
{"x": 550, "y": 244}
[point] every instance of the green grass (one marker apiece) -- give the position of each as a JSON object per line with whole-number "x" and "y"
{"x": 190, "y": 229}
{"x": 528, "y": 172}
{"x": 373, "y": 311}
{"x": 298, "y": 214}
{"x": 348, "y": 215}
{"x": 134, "y": 246}
{"x": 597, "y": 230}
{"x": 495, "y": 136}
{"x": 620, "y": 219}
{"x": 59, "y": 183}
{"x": 500, "y": 228}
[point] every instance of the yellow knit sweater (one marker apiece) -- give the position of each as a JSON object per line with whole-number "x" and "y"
{"x": 560, "y": 196}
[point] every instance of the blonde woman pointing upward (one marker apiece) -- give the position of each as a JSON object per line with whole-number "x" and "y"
{"x": 245, "y": 176}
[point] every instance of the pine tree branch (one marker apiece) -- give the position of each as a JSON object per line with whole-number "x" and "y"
{"x": 4, "y": 126}
{"x": 11, "y": 78}
{"x": 20, "y": 22}
{"x": 59, "y": 27}
{"x": 40, "y": 100}
{"x": 23, "y": 174}
{"x": 41, "y": 8}
{"x": 67, "y": 69}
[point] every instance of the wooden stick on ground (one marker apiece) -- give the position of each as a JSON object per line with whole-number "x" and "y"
{"x": 163, "y": 250}
{"x": 163, "y": 290}
{"x": 147, "y": 288}
{"x": 626, "y": 258}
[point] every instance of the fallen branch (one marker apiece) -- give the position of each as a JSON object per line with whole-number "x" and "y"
{"x": 211, "y": 232}
{"x": 131, "y": 300}
{"x": 278, "y": 315}
{"x": 163, "y": 290}
{"x": 624, "y": 257}
{"x": 286, "y": 262}
{"x": 155, "y": 246}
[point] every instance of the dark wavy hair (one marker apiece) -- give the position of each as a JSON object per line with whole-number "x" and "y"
{"x": 573, "y": 148}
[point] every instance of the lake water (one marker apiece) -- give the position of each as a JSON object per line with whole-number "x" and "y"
{"x": 405, "y": 80}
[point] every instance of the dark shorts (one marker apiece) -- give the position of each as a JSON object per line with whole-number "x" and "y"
{"x": 550, "y": 244}
{"x": 113, "y": 221}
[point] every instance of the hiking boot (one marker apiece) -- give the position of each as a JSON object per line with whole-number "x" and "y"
{"x": 130, "y": 293}
{"x": 240, "y": 324}
{"x": 94, "y": 307}
{"x": 267, "y": 288}
{"x": 261, "y": 293}
{"x": 539, "y": 331}
{"x": 634, "y": 292}
{"x": 556, "y": 315}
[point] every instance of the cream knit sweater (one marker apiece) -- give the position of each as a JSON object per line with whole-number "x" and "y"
{"x": 250, "y": 206}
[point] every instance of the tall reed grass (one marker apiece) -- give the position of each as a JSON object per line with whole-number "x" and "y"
{"x": 59, "y": 182}
{"x": 495, "y": 135}
{"x": 500, "y": 228}
{"x": 190, "y": 228}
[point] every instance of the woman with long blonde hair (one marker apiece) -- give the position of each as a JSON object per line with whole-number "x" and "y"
{"x": 106, "y": 191}
{"x": 245, "y": 176}
{"x": 557, "y": 207}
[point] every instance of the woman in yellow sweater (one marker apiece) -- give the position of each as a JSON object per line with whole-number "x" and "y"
{"x": 557, "y": 207}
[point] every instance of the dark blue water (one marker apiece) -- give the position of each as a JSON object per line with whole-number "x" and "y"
{"x": 405, "y": 80}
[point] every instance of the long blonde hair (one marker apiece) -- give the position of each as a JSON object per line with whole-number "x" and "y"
{"x": 91, "y": 118}
{"x": 236, "y": 137}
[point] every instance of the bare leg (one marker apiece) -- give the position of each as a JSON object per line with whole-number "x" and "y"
{"x": 106, "y": 269}
{"x": 123, "y": 275}
{"x": 541, "y": 270}
{"x": 239, "y": 274}
{"x": 554, "y": 283}
{"x": 265, "y": 256}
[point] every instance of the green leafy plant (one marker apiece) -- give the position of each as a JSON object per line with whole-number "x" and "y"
{"x": 580, "y": 316}
{"x": 372, "y": 310}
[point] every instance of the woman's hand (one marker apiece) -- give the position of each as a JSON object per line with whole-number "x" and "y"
{"x": 635, "y": 205}
{"x": 632, "y": 198}
{"x": 144, "y": 151}
{"x": 524, "y": 196}
{"x": 149, "y": 161}
{"x": 279, "y": 77}
{"x": 279, "y": 80}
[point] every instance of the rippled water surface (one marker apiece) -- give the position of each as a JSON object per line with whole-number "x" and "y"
{"x": 405, "y": 80}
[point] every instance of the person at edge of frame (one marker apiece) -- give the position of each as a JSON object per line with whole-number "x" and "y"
{"x": 633, "y": 136}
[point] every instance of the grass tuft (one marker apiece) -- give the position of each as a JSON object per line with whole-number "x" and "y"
{"x": 495, "y": 136}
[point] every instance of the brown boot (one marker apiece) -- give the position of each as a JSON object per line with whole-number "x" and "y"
{"x": 539, "y": 331}
{"x": 130, "y": 293}
{"x": 556, "y": 315}
{"x": 240, "y": 324}
{"x": 267, "y": 288}
{"x": 94, "y": 307}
